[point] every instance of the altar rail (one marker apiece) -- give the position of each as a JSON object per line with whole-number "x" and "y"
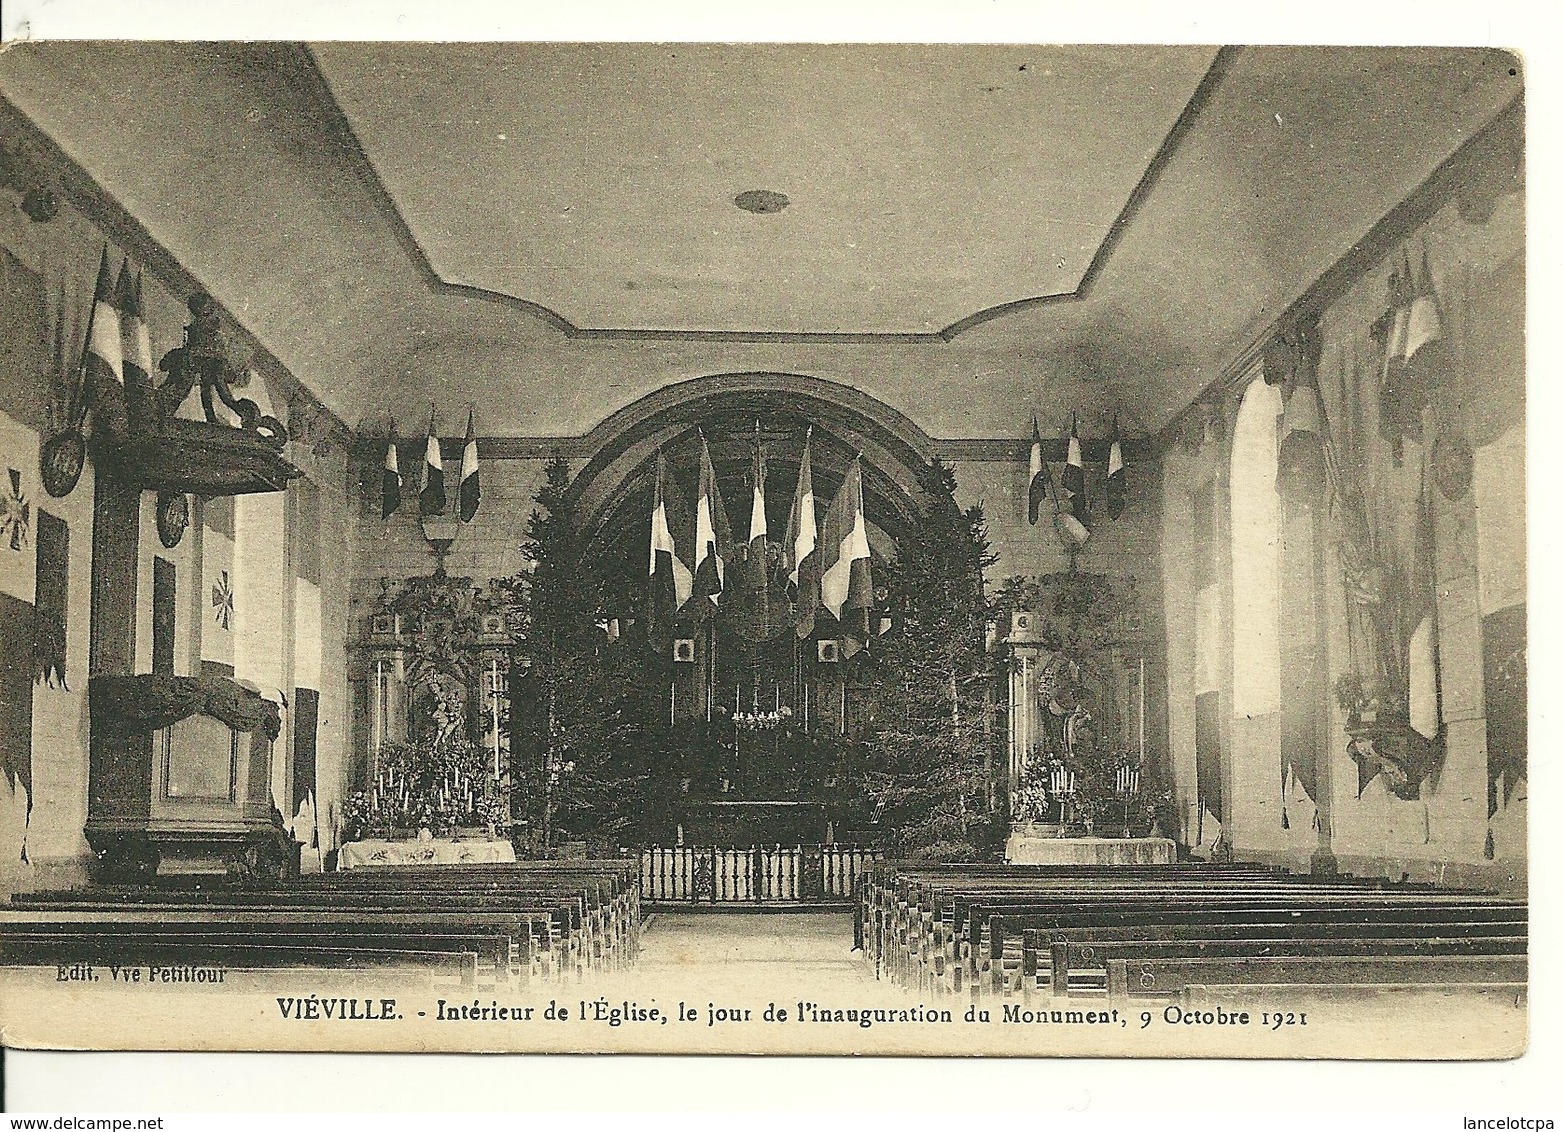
{"x": 797, "y": 874}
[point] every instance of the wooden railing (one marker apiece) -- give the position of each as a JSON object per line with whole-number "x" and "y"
{"x": 774, "y": 874}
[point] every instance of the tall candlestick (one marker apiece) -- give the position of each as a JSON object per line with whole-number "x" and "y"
{"x": 1143, "y": 711}
{"x": 378, "y": 720}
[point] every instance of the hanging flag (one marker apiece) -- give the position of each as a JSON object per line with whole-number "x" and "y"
{"x": 1037, "y": 481}
{"x": 1423, "y": 327}
{"x": 135, "y": 349}
{"x": 468, "y": 491}
{"x": 1072, "y": 481}
{"x": 103, "y": 361}
{"x": 757, "y": 504}
{"x": 1118, "y": 486}
{"x": 802, "y": 536}
{"x": 712, "y": 540}
{"x": 846, "y": 585}
{"x": 1401, "y": 292}
{"x": 1423, "y": 631}
{"x": 431, "y": 500}
{"x": 1300, "y": 460}
{"x": 754, "y": 584}
{"x": 671, "y": 580}
{"x": 391, "y": 479}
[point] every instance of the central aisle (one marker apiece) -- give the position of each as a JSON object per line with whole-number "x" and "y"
{"x": 792, "y": 954}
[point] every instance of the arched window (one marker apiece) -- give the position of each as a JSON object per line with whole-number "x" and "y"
{"x": 1255, "y": 511}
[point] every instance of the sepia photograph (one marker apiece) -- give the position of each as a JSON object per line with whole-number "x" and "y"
{"x": 935, "y": 549}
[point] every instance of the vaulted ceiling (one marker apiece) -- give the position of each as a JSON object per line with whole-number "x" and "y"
{"x": 972, "y": 233}
{"x": 599, "y": 181}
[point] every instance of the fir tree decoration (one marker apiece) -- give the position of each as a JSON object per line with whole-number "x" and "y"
{"x": 929, "y": 749}
{"x": 583, "y": 690}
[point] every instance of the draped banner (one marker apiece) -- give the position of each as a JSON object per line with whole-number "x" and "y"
{"x": 1303, "y": 692}
{"x": 304, "y": 552}
{"x": 1208, "y": 753}
{"x": 53, "y": 600}
{"x": 16, "y": 698}
{"x": 1504, "y": 688}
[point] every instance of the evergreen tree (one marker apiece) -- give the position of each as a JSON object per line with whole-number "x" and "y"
{"x": 929, "y": 749}
{"x": 581, "y": 691}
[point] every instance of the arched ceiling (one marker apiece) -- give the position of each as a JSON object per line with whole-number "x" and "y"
{"x": 344, "y": 202}
{"x": 599, "y": 180}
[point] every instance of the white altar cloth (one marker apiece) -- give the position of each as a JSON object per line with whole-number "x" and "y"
{"x": 1025, "y": 849}
{"x": 368, "y": 854}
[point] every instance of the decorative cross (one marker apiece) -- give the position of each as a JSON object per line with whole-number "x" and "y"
{"x": 223, "y": 602}
{"x": 17, "y": 519}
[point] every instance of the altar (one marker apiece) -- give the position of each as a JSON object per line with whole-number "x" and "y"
{"x": 1024, "y": 848}
{"x": 382, "y": 854}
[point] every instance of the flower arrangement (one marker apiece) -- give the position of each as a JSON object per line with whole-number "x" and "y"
{"x": 1075, "y": 794}
{"x": 1367, "y": 703}
{"x": 439, "y": 785}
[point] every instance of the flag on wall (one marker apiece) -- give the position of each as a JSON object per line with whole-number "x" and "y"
{"x": 757, "y": 595}
{"x": 1118, "y": 486}
{"x": 670, "y": 577}
{"x": 712, "y": 539}
{"x": 1423, "y": 635}
{"x": 1037, "y": 480}
{"x": 16, "y": 700}
{"x": 846, "y": 585}
{"x": 757, "y": 503}
{"x": 390, "y": 479}
{"x": 103, "y": 361}
{"x": 803, "y": 555}
{"x": 1208, "y": 754}
{"x": 135, "y": 347}
{"x": 1422, "y": 326}
{"x": 1300, "y": 461}
{"x": 468, "y": 491}
{"x": 304, "y": 531}
{"x": 1072, "y": 481}
{"x": 431, "y": 499}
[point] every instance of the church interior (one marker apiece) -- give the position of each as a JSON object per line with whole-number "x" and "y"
{"x": 548, "y": 482}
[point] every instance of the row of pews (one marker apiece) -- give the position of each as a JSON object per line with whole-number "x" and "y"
{"x": 1128, "y": 932}
{"x": 501, "y": 926}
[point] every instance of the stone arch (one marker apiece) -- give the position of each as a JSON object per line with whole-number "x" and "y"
{"x": 845, "y": 420}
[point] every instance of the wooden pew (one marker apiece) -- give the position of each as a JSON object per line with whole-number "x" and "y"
{"x": 1154, "y": 978}
{"x": 995, "y": 928}
{"x": 545, "y": 919}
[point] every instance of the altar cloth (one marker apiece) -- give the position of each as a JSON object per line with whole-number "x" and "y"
{"x": 368, "y": 854}
{"x": 1024, "y": 849}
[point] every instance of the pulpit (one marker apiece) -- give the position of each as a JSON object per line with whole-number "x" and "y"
{"x": 179, "y": 776}
{"x": 181, "y": 780}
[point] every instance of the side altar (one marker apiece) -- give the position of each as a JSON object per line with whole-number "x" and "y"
{"x": 1088, "y": 777}
{"x": 434, "y": 660}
